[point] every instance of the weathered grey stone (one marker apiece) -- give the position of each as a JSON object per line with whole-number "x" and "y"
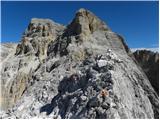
{"x": 83, "y": 98}
{"x": 105, "y": 105}
{"x": 40, "y": 88}
{"x": 94, "y": 102}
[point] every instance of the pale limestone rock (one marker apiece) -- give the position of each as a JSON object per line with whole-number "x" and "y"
{"x": 73, "y": 87}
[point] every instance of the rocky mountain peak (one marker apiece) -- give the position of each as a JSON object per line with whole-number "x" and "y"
{"x": 38, "y": 35}
{"x": 85, "y": 23}
{"x": 84, "y": 30}
{"x": 42, "y": 28}
{"x": 86, "y": 73}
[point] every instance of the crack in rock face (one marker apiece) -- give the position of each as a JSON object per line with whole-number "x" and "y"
{"x": 79, "y": 71}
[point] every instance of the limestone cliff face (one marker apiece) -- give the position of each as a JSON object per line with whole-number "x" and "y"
{"x": 149, "y": 61}
{"x": 85, "y": 23}
{"x": 39, "y": 34}
{"x": 87, "y": 73}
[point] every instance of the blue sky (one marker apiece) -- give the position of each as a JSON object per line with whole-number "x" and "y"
{"x": 136, "y": 21}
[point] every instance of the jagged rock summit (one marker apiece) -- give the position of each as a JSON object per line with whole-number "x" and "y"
{"x": 37, "y": 36}
{"x": 83, "y": 70}
{"x": 85, "y": 23}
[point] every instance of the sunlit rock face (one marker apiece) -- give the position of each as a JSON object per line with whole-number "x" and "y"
{"x": 38, "y": 35}
{"x": 85, "y": 23}
{"x": 87, "y": 72}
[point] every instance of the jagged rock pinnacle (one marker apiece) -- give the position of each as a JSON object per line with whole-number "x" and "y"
{"x": 38, "y": 35}
{"x": 85, "y": 23}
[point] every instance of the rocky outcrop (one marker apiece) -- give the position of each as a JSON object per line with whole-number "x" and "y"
{"x": 19, "y": 65}
{"x": 15, "y": 75}
{"x": 149, "y": 61}
{"x": 84, "y": 24}
{"x": 39, "y": 34}
{"x": 87, "y": 73}
{"x": 5, "y": 49}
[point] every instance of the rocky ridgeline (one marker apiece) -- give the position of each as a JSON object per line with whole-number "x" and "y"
{"x": 86, "y": 72}
{"x": 19, "y": 66}
{"x": 84, "y": 24}
{"x": 91, "y": 86}
{"x": 38, "y": 35}
{"x": 87, "y": 93}
{"x": 149, "y": 61}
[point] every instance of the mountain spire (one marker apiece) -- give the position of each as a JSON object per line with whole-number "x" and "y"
{"x": 85, "y": 23}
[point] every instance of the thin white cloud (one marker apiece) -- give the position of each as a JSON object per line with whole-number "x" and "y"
{"x": 155, "y": 45}
{"x": 151, "y": 49}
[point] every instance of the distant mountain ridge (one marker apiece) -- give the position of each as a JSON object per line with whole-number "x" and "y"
{"x": 149, "y": 61}
{"x": 149, "y": 49}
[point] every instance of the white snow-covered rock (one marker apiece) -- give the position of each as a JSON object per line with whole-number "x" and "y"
{"x": 102, "y": 63}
